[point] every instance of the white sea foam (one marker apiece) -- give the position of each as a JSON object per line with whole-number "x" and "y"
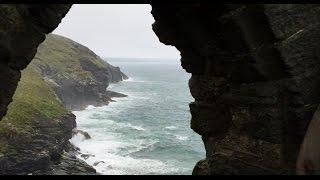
{"x": 128, "y": 135}
{"x": 135, "y": 80}
{"x": 107, "y": 148}
{"x": 110, "y": 86}
{"x": 90, "y": 107}
{"x": 181, "y": 138}
{"x": 129, "y": 79}
{"x": 171, "y": 127}
{"x": 119, "y": 165}
{"x": 139, "y": 128}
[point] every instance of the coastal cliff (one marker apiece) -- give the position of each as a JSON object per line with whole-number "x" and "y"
{"x": 77, "y": 75}
{"x": 35, "y": 133}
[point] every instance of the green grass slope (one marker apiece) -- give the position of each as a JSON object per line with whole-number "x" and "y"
{"x": 63, "y": 54}
{"x": 38, "y": 125}
{"x": 33, "y": 100}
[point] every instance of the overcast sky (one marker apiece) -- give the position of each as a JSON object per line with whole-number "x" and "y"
{"x": 115, "y": 30}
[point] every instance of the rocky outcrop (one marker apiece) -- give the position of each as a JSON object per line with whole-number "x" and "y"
{"x": 37, "y": 149}
{"x": 255, "y": 79}
{"x": 36, "y": 128}
{"x": 23, "y": 28}
{"x": 78, "y": 76}
{"x": 68, "y": 164}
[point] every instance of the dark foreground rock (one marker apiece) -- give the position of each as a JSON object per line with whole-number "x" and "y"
{"x": 255, "y": 80}
{"x": 69, "y": 165}
{"x": 37, "y": 149}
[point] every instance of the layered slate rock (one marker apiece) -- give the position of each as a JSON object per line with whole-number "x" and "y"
{"x": 255, "y": 79}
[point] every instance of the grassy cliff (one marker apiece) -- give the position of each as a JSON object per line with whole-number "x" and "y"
{"x": 77, "y": 75}
{"x": 63, "y": 75}
{"x": 63, "y": 54}
{"x": 36, "y": 122}
{"x": 34, "y": 99}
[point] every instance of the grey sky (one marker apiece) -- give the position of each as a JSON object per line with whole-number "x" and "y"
{"x": 115, "y": 30}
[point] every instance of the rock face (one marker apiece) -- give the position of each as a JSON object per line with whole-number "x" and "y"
{"x": 69, "y": 165}
{"x": 36, "y": 128}
{"x": 29, "y": 153}
{"x": 255, "y": 79}
{"x": 23, "y": 28}
{"x": 78, "y": 76}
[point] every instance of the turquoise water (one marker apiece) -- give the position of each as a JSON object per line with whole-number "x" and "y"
{"x": 147, "y": 132}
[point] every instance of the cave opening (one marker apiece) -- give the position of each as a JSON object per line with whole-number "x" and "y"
{"x": 128, "y": 92}
{"x": 255, "y": 78}
{"x": 151, "y": 126}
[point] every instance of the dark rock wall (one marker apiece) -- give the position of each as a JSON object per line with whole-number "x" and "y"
{"x": 22, "y": 29}
{"x": 255, "y": 79}
{"x": 38, "y": 150}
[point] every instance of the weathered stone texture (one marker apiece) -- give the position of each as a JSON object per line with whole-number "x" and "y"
{"x": 255, "y": 80}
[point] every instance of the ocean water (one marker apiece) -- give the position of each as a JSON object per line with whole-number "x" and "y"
{"x": 147, "y": 132}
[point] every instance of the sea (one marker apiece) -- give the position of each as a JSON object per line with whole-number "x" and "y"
{"x": 148, "y": 132}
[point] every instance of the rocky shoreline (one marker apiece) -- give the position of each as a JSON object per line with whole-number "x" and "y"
{"x": 68, "y": 164}
{"x": 76, "y": 93}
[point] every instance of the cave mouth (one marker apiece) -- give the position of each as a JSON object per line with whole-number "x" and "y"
{"x": 254, "y": 83}
{"x": 149, "y": 127}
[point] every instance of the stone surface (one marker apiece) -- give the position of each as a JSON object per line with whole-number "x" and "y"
{"x": 255, "y": 80}
{"x": 68, "y": 165}
{"x": 29, "y": 153}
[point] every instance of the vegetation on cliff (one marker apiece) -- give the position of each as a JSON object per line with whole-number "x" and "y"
{"x": 63, "y": 54}
{"x": 77, "y": 75}
{"x": 39, "y": 122}
{"x": 33, "y": 100}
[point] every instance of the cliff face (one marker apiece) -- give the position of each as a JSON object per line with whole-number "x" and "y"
{"x": 77, "y": 75}
{"x": 36, "y": 130}
{"x": 255, "y": 79}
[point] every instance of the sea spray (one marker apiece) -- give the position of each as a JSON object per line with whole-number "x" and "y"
{"x": 147, "y": 132}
